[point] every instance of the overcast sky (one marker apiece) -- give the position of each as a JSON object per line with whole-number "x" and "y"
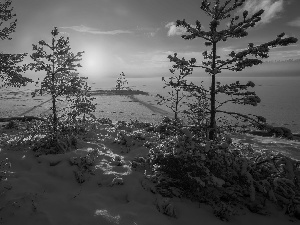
{"x": 136, "y": 36}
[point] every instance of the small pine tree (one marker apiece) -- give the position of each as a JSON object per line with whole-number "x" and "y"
{"x": 121, "y": 82}
{"x": 237, "y": 61}
{"x": 177, "y": 83}
{"x": 10, "y": 71}
{"x": 59, "y": 63}
{"x": 186, "y": 98}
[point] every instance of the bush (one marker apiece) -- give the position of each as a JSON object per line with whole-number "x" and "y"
{"x": 11, "y": 125}
{"x": 45, "y": 141}
{"x": 85, "y": 165}
{"x": 223, "y": 174}
{"x": 281, "y": 132}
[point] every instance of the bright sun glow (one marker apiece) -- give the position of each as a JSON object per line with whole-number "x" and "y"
{"x": 93, "y": 63}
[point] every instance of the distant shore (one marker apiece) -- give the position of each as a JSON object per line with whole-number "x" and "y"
{"x": 118, "y": 92}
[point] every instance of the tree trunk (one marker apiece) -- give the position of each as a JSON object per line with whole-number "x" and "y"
{"x": 212, "y": 125}
{"x": 53, "y": 95}
{"x": 54, "y": 111}
{"x": 176, "y": 105}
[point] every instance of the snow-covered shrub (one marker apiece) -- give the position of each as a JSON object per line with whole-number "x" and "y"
{"x": 141, "y": 164}
{"x": 46, "y": 142}
{"x": 24, "y": 137}
{"x": 65, "y": 139}
{"x": 140, "y": 125}
{"x": 165, "y": 206}
{"x": 78, "y": 128}
{"x": 117, "y": 181}
{"x": 167, "y": 127}
{"x": 222, "y": 172}
{"x": 123, "y": 125}
{"x": 85, "y": 165}
{"x": 129, "y": 139}
{"x": 105, "y": 121}
{"x": 124, "y": 138}
{"x": 117, "y": 160}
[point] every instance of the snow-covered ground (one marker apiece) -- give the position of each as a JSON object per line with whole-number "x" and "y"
{"x": 45, "y": 189}
{"x": 59, "y": 190}
{"x": 290, "y": 148}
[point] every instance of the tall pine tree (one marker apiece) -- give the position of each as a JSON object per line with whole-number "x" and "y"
{"x": 236, "y": 61}
{"x": 59, "y": 63}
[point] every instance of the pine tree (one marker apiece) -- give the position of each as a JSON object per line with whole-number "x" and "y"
{"x": 59, "y": 63}
{"x": 237, "y": 61}
{"x": 176, "y": 95}
{"x": 121, "y": 82}
{"x": 10, "y": 71}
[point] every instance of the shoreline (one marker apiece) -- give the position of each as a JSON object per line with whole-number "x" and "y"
{"x": 118, "y": 92}
{"x": 111, "y": 104}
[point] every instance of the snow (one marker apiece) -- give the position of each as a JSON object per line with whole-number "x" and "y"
{"x": 290, "y": 148}
{"x": 43, "y": 190}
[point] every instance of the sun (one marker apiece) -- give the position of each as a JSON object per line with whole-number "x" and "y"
{"x": 93, "y": 64}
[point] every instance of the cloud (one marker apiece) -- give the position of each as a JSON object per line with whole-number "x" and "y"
{"x": 284, "y": 55}
{"x": 64, "y": 33}
{"x": 228, "y": 49}
{"x": 272, "y": 8}
{"x": 173, "y": 30}
{"x": 147, "y": 31}
{"x": 154, "y": 59}
{"x": 295, "y": 23}
{"x": 84, "y": 29}
{"x": 153, "y": 33}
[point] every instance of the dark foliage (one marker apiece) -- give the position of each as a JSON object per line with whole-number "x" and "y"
{"x": 236, "y": 61}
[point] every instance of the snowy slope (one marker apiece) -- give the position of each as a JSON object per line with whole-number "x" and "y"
{"x": 44, "y": 189}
